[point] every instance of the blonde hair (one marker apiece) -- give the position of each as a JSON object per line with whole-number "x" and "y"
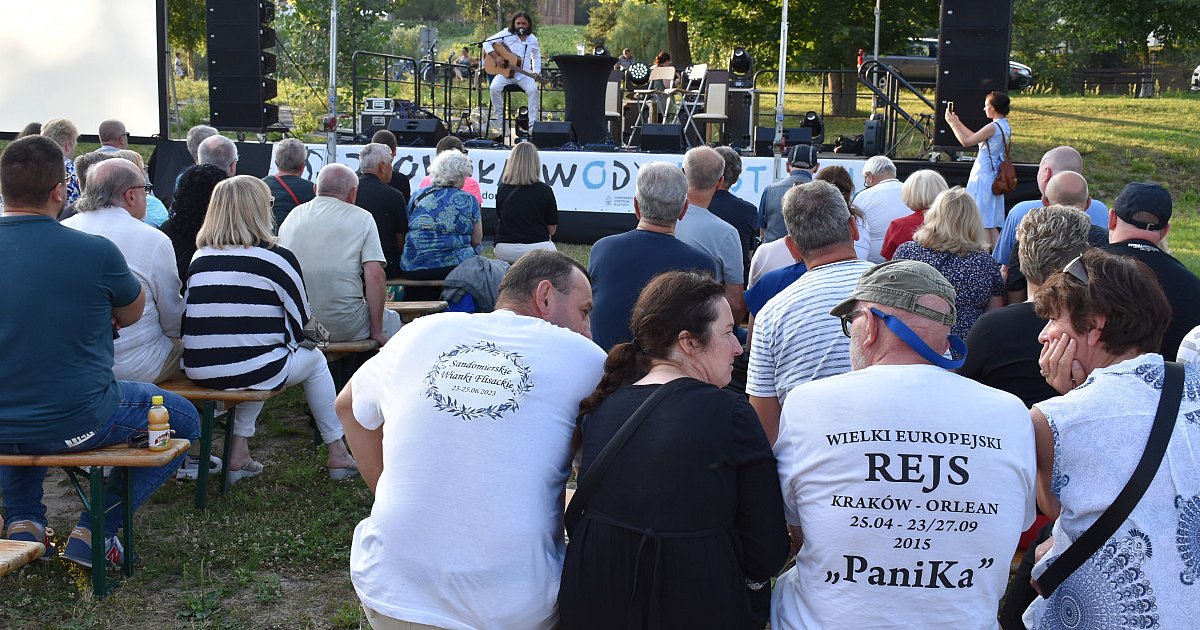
{"x": 952, "y": 224}
{"x": 523, "y": 165}
{"x": 921, "y": 188}
{"x": 61, "y": 131}
{"x": 132, "y": 156}
{"x": 239, "y": 215}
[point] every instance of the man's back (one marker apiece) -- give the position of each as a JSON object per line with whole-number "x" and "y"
{"x": 704, "y": 231}
{"x": 742, "y": 215}
{"x": 1180, "y": 285}
{"x": 332, "y": 239}
{"x": 911, "y": 485}
{"x": 141, "y": 348}
{"x": 881, "y": 204}
{"x": 57, "y": 293}
{"x": 479, "y": 411}
{"x": 796, "y": 340}
{"x": 620, "y": 266}
{"x": 770, "y": 205}
{"x": 387, "y": 206}
{"x": 288, "y": 191}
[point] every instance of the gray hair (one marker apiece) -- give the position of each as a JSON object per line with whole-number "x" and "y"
{"x": 218, "y": 151}
{"x": 107, "y": 183}
{"x": 111, "y": 131}
{"x": 1048, "y": 238}
{"x": 450, "y": 168}
{"x": 661, "y": 193}
{"x": 195, "y": 136}
{"x": 336, "y": 180}
{"x": 290, "y": 154}
{"x": 733, "y": 165}
{"x": 703, "y": 167}
{"x": 878, "y": 165}
{"x": 85, "y": 162}
{"x": 373, "y": 155}
{"x": 816, "y": 216}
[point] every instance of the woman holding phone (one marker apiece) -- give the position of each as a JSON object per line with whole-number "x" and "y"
{"x": 991, "y": 140}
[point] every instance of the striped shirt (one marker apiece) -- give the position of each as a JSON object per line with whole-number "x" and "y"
{"x": 796, "y": 340}
{"x": 244, "y": 316}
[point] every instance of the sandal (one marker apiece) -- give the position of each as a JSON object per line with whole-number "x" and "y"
{"x": 251, "y": 469}
{"x": 339, "y": 474}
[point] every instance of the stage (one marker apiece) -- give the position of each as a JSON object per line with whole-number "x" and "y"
{"x": 594, "y": 190}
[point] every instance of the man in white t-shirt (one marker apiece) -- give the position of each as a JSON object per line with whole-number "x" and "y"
{"x": 338, "y": 247}
{"x": 793, "y": 340}
{"x": 462, "y": 428}
{"x": 113, "y": 206}
{"x": 880, "y": 201}
{"x": 905, "y": 485}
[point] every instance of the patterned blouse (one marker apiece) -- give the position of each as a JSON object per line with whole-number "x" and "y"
{"x": 975, "y": 276}
{"x": 440, "y": 224}
{"x": 74, "y": 192}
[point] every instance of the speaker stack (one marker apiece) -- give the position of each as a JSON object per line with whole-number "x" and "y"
{"x": 239, "y": 68}
{"x": 972, "y": 61}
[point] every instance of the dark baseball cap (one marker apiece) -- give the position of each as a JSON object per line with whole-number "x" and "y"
{"x": 1144, "y": 205}
{"x": 802, "y": 156}
{"x": 900, "y": 284}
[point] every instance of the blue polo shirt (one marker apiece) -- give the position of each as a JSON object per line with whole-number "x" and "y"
{"x": 57, "y": 292}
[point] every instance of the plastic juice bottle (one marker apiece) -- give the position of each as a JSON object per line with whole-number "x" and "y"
{"x": 160, "y": 427}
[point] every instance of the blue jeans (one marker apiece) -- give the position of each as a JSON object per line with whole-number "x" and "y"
{"x": 22, "y": 485}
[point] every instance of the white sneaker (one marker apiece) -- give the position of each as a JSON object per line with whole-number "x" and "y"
{"x": 190, "y": 470}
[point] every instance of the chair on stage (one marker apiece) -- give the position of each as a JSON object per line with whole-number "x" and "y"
{"x": 691, "y": 101}
{"x": 505, "y": 112}
{"x": 653, "y": 98}
{"x": 714, "y": 112}
{"x": 612, "y": 107}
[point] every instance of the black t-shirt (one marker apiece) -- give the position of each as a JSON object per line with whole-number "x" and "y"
{"x": 302, "y": 188}
{"x": 387, "y": 206}
{"x": 743, "y": 216}
{"x": 401, "y": 183}
{"x": 1181, "y": 286}
{"x": 523, "y": 212}
{"x": 1002, "y": 352}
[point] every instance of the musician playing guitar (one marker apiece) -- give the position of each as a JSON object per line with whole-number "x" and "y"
{"x": 525, "y": 55}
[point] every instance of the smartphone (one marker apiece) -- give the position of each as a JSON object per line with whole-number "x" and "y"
{"x": 950, "y": 105}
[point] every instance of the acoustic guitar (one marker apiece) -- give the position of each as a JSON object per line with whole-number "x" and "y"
{"x": 509, "y": 64}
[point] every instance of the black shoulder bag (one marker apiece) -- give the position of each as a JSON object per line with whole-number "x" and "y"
{"x": 1108, "y": 523}
{"x": 587, "y": 485}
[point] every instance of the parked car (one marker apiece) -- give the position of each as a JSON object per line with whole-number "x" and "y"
{"x": 1196, "y": 79}
{"x": 918, "y": 65}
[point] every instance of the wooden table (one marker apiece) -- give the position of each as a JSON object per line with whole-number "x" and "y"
{"x": 411, "y": 310}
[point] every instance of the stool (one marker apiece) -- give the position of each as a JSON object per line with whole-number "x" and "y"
{"x": 505, "y": 109}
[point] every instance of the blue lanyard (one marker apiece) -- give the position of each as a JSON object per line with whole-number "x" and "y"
{"x": 910, "y": 338}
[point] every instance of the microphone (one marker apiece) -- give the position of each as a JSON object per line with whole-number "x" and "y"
{"x": 522, "y": 31}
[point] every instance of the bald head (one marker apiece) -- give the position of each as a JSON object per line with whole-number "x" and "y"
{"x": 1056, "y": 160}
{"x": 220, "y": 152}
{"x": 338, "y": 181}
{"x": 107, "y": 184}
{"x": 112, "y": 133}
{"x": 1068, "y": 188}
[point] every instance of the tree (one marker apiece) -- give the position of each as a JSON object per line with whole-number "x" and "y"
{"x": 186, "y": 27}
{"x": 1108, "y": 26}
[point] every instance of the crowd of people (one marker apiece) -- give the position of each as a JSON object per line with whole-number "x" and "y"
{"x": 898, "y": 387}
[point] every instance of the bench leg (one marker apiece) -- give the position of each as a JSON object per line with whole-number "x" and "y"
{"x": 206, "y": 434}
{"x": 227, "y": 449}
{"x": 96, "y": 515}
{"x": 127, "y": 506}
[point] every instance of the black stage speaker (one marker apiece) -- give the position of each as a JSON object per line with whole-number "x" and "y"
{"x": 764, "y": 136}
{"x": 661, "y": 138}
{"x": 551, "y": 134}
{"x": 740, "y": 117}
{"x": 417, "y": 132}
{"x": 239, "y": 68}
{"x": 972, "y": 61}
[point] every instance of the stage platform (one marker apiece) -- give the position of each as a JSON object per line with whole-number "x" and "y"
{"x": 594, "y": 189}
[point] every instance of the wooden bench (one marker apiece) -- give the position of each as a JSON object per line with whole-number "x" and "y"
{"x": 91, "y": 464}
{"x": 411, "y": 310}
{"x": 15, "y": 554}
{"x": 406, "y": 282}
{"x": 413, "y": 290}
{"x": 206, "y": 399}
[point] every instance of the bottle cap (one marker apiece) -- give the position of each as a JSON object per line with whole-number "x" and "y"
{"x": 157, "y": 400}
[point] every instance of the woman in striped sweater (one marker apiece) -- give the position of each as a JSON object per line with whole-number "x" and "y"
{"x": 244, "y": 319}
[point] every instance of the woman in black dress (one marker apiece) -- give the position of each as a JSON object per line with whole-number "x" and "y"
{"x": 685, "y": 528}
{"x": 526, "y": 210}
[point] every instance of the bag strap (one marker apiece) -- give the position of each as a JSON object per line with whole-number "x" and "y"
{"x": 1108, "y": 523}
{"x": 987, "y": 146}
{"x": 587, "y": 484}
{"x": 287, "y": 188}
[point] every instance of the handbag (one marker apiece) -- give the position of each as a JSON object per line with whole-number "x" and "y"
{"x": 587, "y": 484}
{"x": 1006, "y": 175}
{"x": 315, "y": 335}
{"x": 1108, "y": 523}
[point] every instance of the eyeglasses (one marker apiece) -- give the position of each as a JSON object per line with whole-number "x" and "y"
{"x": 1076, "y": 268}
{"x": 149, "y": 188}
{"x": 61, "y": 181}
{"x": 848, "y": 320}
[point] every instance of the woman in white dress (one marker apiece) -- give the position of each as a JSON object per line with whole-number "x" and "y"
{"x": 990, "y": 139}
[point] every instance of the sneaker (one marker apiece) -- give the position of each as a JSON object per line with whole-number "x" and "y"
{"x": 30, "y": 531}
{"x": 79, "y": 548}
{"x": 190, "y": 469}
